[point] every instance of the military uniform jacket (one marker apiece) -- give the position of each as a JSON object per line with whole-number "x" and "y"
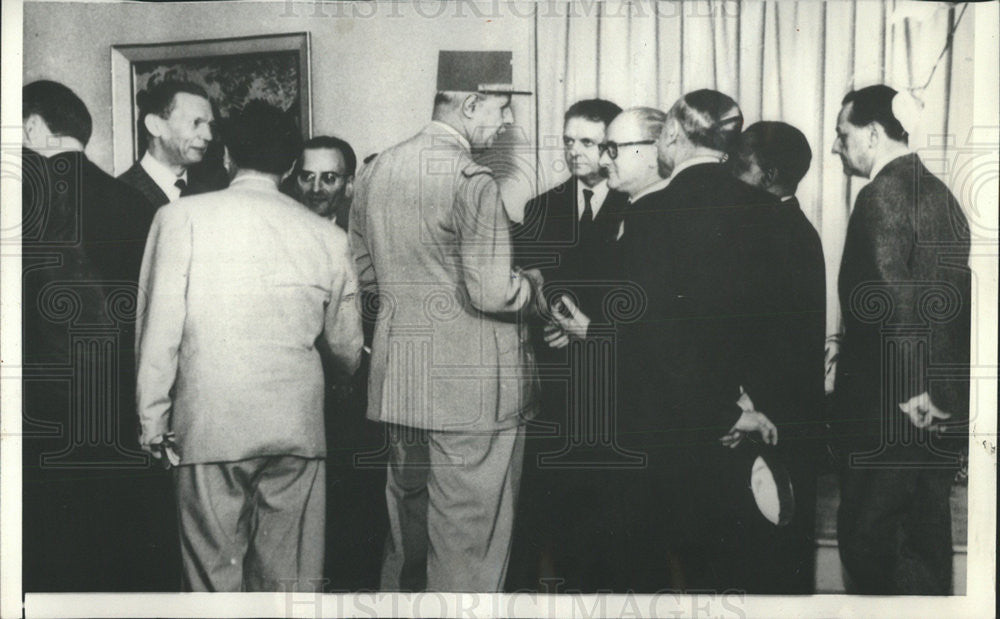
{"x": 430, "y": 232}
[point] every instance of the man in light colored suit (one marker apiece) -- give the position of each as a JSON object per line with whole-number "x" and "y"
{"x": 451, "y": 370}
{"x": 241, "y": 289}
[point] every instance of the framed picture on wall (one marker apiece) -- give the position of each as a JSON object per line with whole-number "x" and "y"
{"x": 233, "y": 71}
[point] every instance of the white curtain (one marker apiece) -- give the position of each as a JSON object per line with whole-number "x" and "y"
{"x": 788, "y": 61}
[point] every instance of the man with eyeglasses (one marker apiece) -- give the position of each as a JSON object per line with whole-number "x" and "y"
{"x": 685, "y": 358}
{"x": 323, "y": 178}
{"x": 569, "y": 233}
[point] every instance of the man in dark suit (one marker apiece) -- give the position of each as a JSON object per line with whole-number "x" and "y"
{"x": 323, "y": 178}
{"x": 774, "y": 156}
{"x": 176, "y": 119}
{"x": 89, "y": 524}
{"x": 569, "y": 233}
{"x": 902, "y": 386}
{"x": 684, "y": 354}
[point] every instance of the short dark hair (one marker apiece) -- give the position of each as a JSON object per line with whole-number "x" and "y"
{"x": 332, "y": 143}
{"x": 874, "y": 104}
{"x": 60, "y": 108}
{"x": 160, "y": 99}
{"x": 262, "y": 137}
{"x": 780, "y": 146}
{"x": 709, "y": 118}
{"x": 594, "y": 110}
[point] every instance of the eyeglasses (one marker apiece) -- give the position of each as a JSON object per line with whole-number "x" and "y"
{"x": 327, "y": 178}
{"x": 612, "y": 147}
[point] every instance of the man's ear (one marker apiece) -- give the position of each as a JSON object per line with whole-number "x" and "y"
{"x": 349, "y": 187}
{"x": 874, "y": 133}
{"x": 671, "y": 128}
{"x": 770, "y": 176}
{"x": 154, "y": 125}
{"x": 32, "y": 125}
{"x": 469, "y": 105}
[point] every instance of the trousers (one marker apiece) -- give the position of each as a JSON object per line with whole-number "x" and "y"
{"x": 451, "y": 498}
{"x": 894, "y": 529}
{"x": 252, "y": 525}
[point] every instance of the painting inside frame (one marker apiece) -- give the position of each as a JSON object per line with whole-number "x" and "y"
{"x": 274, "y": 68}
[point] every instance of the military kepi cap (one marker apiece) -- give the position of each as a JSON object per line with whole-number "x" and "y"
{"x": 483, "y": 72}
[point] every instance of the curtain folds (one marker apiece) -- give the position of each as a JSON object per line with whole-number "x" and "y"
{"x": 788, "y": 61}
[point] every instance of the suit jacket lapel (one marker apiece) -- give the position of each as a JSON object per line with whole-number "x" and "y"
{"x": 141, "y": 180}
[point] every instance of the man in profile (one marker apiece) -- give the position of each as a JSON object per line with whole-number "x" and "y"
{"x": 684, "y": 355}
{"x": 176, "y": 119}
{"x": 774, "y": 157}
{"x": 451, "y": 371}
{"x": 323, "y": 178}
{"x": 905, "y": 294}
{"x": 243, "y": 289}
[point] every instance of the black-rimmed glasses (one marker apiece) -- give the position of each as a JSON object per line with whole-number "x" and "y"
{"x": 612, "y": 147}
{"x": 328, "y": 178}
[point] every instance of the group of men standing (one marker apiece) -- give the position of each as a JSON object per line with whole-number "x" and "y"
{"x": 645, "y": 348}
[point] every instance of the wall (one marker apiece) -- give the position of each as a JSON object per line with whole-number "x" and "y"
{"x": 373, "y": 65}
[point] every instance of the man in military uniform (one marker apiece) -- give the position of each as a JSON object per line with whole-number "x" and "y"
{"x": 451, "y": 372}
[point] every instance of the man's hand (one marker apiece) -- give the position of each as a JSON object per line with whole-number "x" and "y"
{"x": 750, "y": 421}
{"x": 921, "y": 410}
{"x": 555, "y": 337}
{"x": 537, "y": 281}
{"x": 735, "y": 437}
{"x": 164, "y": 450}
{"x": 568, "y": 317}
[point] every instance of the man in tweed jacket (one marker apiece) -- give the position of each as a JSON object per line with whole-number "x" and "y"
{"x": 902, "y": 386}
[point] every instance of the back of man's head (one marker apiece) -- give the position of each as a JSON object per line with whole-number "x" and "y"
{"x": 778, "y": 146}
{"x": 709, "y": 119}
{"x": 649, "y": 120}
{"x": 262, "y": 137}
{"x": 874, "y": 104}
{"x": 594, "y": 110}
{"x": 64, "y": 113}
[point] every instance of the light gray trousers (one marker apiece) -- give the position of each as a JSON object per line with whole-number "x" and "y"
{"x": 253, "y": 525}
{"x": 451, "y": 499}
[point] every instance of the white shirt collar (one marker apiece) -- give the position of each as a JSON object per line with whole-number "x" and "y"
{"x": 600, "y": 194}
{"x": 454, "y": 133}
{"x": 693, "y": 161}
{"x": 244, "y": 177}
{"x": 163, "y": 176}
{"x": 787, "y": 198}
{"x": 658, "y": 185}
{"x": 881, "y": 162}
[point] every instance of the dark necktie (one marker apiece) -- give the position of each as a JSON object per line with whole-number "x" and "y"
{"x": 183, "y": 186}
{"x": 587, "y": 219}
{"x": 588, "y": 212}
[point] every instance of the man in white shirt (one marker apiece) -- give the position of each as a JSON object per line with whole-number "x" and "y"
{"x": 176, "y": 118}
{"x": 569, "y": 233}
